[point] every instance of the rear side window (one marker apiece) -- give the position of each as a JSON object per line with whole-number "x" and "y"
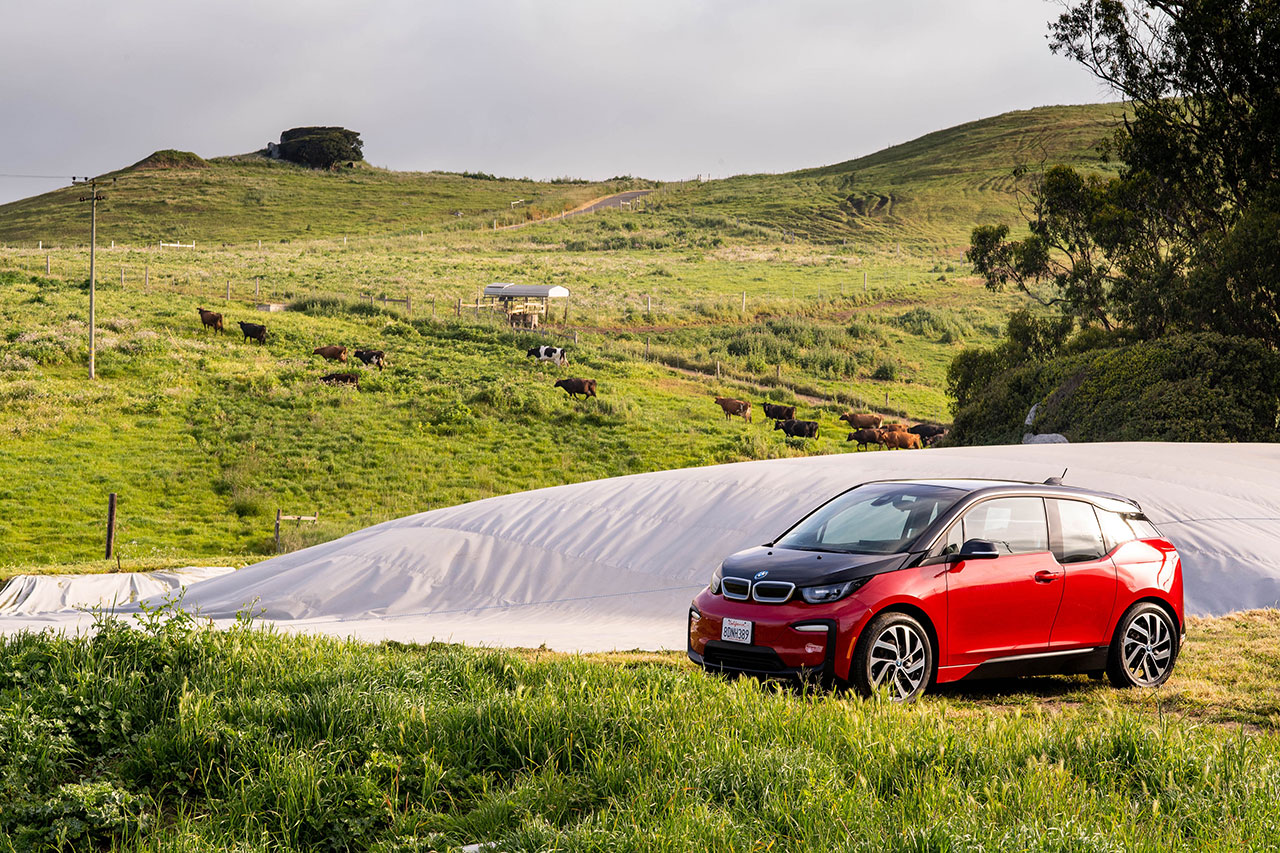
{"x": 1079, "y": 534}
{"x": 1013, "y": 525}
{"x": 1115, "y": 528}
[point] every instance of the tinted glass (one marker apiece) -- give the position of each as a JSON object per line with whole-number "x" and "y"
{"x": 1114, "y": 529}
{"x": 880, "y": 518}
{"x": 1013, "y": 525}
{"x": 1081, "y": 535}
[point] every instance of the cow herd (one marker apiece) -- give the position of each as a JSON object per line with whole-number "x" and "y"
{"x": 212, "y": 320}
{"x": 868, "y": 428}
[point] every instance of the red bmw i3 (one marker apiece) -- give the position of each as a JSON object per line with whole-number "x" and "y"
{"x": 903, "y": 585}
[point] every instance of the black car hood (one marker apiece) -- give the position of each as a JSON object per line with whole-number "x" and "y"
{"x": 805, "y": 568}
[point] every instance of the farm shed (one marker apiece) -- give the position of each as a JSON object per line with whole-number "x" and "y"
{"x": 612, "y": 564}
{"x": 523, "y": 304}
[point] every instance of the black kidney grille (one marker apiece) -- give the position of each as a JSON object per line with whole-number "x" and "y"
{"x": 772, "y": 592}
{"x": 738, "y": 589}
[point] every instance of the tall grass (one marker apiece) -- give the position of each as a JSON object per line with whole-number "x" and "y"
{"x": 180, "y": 737}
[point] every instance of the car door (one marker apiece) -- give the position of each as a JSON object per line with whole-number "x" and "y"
{"x": 1089, "y": 585}
{"x": 1006, "y": 605}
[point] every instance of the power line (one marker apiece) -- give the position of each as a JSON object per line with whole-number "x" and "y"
{"x": 42, "y": 177}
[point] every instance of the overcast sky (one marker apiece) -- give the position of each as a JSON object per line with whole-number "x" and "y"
{"x": 541, "y": 88}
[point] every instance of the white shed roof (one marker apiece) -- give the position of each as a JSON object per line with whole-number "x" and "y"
{"x": 547, "y": 291}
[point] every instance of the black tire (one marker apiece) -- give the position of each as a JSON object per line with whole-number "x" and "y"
{"x": 894, "y": 652}
{"x": 1144, "y": 648}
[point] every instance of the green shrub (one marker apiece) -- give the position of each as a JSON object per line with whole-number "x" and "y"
{"x": 1202, "y": 387}
{"x": 886, "y": 371}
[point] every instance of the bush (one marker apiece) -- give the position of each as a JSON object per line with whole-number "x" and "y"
{"x": 320, "y": 147}
{"x": 886, "y": 371}
{"x": 1202, "y": 387}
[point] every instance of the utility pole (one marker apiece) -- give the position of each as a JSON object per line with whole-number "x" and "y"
{"x": 93, "y": 198}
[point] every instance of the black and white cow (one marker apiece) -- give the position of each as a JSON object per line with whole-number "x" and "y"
{"x": 555, "y": 355}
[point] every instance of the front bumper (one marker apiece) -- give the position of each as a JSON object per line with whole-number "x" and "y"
{"x": 789, "y": 641}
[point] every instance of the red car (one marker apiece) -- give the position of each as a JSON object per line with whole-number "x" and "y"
{"x": 902, "y": 585}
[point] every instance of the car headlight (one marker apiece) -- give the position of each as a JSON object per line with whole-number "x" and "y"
{"x": 831, "y": 592}
{"x": 715, "y": 582}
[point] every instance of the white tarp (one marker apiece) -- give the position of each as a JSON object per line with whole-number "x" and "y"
{"x": 613, "y": 563}
{"x": 27, "y": 594}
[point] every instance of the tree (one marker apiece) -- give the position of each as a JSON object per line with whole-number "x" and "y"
{"x": 320, "y": 147}
{"x": 1184, "y": 238}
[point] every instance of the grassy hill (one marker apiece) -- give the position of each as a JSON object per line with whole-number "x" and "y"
{"x": 183, "y": 738}
{"x": 747, "y": 279}
{"x": 924, "y": 195}
{"x": 178, "y": 197}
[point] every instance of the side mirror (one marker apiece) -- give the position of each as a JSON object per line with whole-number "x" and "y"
{"x": 977, "y": 549}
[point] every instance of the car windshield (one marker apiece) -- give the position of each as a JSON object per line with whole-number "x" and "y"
{"x": 880, "y": 518}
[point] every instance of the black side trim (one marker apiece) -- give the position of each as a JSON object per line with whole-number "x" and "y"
{"x": 1047, "y": 663}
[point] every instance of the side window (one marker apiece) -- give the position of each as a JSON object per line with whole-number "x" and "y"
{"x": 1080, "y": 537}
{"x": 1013, "y": 525}
{"x": 1114, "y": 529}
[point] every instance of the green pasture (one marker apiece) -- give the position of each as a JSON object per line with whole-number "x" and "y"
{"x": 181, "y": 738}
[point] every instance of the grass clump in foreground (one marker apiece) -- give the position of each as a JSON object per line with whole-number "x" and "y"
{"x": 177, "y": 737}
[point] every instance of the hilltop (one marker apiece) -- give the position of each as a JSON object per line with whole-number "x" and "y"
{"x": 925, "y": 194}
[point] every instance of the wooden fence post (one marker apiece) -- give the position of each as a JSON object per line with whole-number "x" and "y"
{"x": 457, "y": 309}
{"x": 744, "y": 302}
{"x": 122, "y": 275}
{"x": 648, "y": 304}
{"x": 146, "y": 276}
{"x": 228, "y": 290}
{"x": 111, "y": 524}
{"x": 433, "y": 307}
{"x": 277, "y": 531}
{"x": 257, "y": 286}
{"x": 46, "y": 265}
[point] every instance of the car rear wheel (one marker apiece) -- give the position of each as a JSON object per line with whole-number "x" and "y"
{"x": 893, "y": 653}
{"x": 1144, "y": 649}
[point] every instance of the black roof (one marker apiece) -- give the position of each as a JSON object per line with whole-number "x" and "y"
{"x": 994, "y": 488}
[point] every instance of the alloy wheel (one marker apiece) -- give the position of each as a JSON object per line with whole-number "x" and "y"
{"x": 898, "y": 660}
{"x": 1147, "y": 649}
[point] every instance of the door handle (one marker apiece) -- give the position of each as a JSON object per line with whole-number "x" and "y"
{"x": 1047, "y": 576}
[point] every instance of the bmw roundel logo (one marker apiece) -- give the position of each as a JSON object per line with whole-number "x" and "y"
{"x": 760, "y": 575}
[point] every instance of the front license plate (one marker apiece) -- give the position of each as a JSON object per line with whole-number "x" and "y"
{"x": 736, "y": 631}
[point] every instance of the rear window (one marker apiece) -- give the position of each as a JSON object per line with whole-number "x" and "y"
{"x": 1119, "y": 529}
{"x": 880, "y": 518}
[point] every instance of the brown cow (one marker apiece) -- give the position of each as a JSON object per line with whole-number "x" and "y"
{"x": 254, "y": 331}
{"x": 211, "y": 320}
{"x": 865, "y": 438}
{"x": 574, "y": 387}
{"x": 732, "y": 407}
{"x": 858, "y": 421}
{"x": 342, "y": 379}
{"x": 798, "y": 429}
{"x": 332, "y": 352}
{"x": 779, "y": 413}
{"x": 899, "y": 440}
{"x": 895, "y": 428}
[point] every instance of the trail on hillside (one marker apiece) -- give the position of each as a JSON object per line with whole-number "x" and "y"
{"x": 604, "y": 202}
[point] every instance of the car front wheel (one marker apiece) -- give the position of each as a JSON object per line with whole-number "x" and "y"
{"x": 1144, "y": 648}
{"x": 893, "y": 653}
